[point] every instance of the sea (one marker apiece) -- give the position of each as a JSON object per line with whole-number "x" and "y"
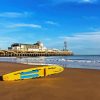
{"x": 76, "y": 61}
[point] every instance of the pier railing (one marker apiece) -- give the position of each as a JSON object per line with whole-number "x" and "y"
{"x": 12, "y": 53}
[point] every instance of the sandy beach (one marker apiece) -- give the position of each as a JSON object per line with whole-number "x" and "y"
{"x": 71, "y": 84}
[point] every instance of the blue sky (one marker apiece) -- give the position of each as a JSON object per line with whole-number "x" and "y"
{"x": 52, "y": 22}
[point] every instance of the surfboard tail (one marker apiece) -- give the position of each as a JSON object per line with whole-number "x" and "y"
{"x": 1, "y": 78}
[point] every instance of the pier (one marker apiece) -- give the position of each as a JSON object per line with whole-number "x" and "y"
{"x": 32, "y": 50}
{"x": 19, "y": 53}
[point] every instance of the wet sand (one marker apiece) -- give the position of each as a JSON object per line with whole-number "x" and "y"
{"x": 71, "y": 84}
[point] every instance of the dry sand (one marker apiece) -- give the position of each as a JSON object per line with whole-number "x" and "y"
{"x": 71, "y": 84}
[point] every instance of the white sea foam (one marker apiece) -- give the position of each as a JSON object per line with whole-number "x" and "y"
{"x": 37, "y": 64}
{"x": 66, "y": 61}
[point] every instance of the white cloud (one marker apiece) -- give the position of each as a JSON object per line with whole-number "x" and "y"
{"x": 47, "y": 39}
{"x": 14, "y": 14}
{"x": 78, "y": 1}
{"x": 94, "y": 29}
{"x": 88, "y": 36}
{"x": 51, "y": 22}
{"x": 88, "y": 1}
{"x": 90, "y": 17}
{"x": 83, "y": 43}
{"x": 24, "y": 25}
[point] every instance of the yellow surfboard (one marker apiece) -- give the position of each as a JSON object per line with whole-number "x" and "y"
{"x": 33, "y": 73}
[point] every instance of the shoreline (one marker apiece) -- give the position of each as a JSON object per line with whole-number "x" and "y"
{"x": 71, "y": 84}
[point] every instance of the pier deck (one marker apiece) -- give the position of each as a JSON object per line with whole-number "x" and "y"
{"x": 12, "y": 53}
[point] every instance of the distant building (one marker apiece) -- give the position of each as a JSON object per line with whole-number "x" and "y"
{"x": 28, "y": 47}
{"x": 65, "y": 46}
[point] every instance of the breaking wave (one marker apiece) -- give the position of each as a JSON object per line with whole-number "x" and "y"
{"x": 91, "y": 62}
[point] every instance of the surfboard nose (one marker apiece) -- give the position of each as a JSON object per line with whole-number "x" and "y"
{"x": 61, "y": 68}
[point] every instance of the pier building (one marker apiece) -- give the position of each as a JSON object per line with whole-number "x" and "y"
{"x": 36, "y": 49}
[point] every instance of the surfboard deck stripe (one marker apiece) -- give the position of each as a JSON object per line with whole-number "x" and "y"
{"x": 29, "y": 76}
{"x": 29, "y": 72}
